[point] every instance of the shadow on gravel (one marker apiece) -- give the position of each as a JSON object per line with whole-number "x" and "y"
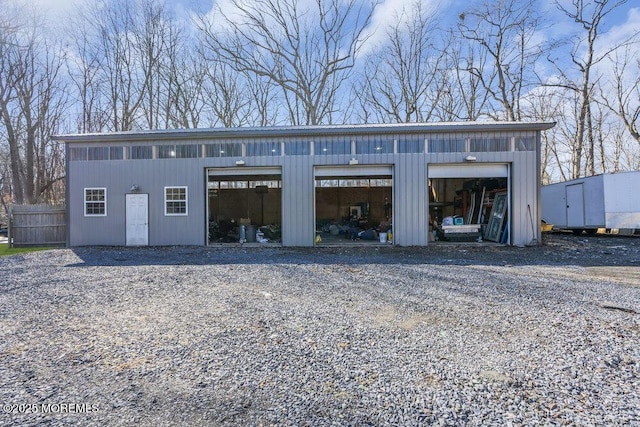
{"x": 556, "y": 249}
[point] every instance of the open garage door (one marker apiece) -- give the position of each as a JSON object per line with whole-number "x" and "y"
{"x": 469, "y": 202}
{"x": 244, "y": 203}
{"x": 353, "y": 204}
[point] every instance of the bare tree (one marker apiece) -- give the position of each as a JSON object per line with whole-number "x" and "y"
{"x": 605, "y": 155}
{"x": 32, "y": 100}
{"x": 8, "y": 152}
{"x": 305, "y": 49}
{"x": 626, "y": 86}
{"x": 227, "y": 96}
{"x": 185, "y": 81}
{"x": 160, "y": 44}
{"x": 505, "y": 31}
{"x": 132, "y": 67}
{"x": 464, "y": 97}
{"x": 128, "y": 39}
{"x": 84, "y": 69}
{"x": 584, "y": 57}
{"x": 546, "y": 104}
{"x": 9, "y": 76}
{"x": 403, "y": 82}
{"x": 264, "y": 107}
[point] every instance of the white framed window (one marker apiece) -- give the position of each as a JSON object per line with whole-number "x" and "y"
{"x": 95, "y": 202}
{"x": 175, "y": 201}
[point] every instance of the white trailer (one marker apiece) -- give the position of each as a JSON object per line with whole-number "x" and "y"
{"x": 609, "y": 201}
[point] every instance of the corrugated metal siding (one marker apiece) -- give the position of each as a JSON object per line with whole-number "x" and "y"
{"x": 151, "y": 176}
{"x": 175, "y": 230}
{"x": 525, "y": 222}
{"x": 298, "y": 192}
{"x": 410, "y": 190}
{"x": 411, "y": 218}
{"x": 108, "y": 230}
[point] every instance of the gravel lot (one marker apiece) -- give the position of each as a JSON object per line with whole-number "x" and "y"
{"x": 445, "y": 335}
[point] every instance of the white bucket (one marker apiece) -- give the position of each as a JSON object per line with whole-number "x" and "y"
{"x": 383, "y": 237}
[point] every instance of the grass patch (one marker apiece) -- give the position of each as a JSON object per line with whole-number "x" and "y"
{"x": 5, "y": 250}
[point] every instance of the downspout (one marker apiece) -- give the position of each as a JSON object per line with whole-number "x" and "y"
{"x": 537, "y": 230}
{"x": 67, "y": 193}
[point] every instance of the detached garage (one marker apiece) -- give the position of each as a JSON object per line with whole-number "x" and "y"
{"x": 402, "y": 184}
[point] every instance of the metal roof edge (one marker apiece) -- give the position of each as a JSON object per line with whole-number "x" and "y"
{"x": 288, "y": 131}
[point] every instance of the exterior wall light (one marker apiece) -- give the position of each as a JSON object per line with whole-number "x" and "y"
{"x": 134, "y": 188}
{"x": 239, "y": 162}
{"x": 470, "y": 159}
{"x": 353, "y": 161}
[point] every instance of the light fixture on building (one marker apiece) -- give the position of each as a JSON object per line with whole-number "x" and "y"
{"x": 239, "y": 162}
{"x": 353, "y": 161}
{"x": 470, "y": 159}
{"x": 134, "y": 188}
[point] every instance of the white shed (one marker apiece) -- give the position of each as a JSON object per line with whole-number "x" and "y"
{"x": 602, "y": 201}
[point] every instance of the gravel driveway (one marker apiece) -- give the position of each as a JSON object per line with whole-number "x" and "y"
{"x": 447, "y": 335}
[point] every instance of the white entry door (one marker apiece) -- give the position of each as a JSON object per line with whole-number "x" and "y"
{"x": 575, "y": 205}
{"x": 137, "y": 222}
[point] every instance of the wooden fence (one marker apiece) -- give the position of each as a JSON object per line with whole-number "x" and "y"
{"x": 37, "y": 225}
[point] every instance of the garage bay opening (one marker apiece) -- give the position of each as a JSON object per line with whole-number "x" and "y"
{"x": 469, "y": 208}
{"x": 355, "y": 207}
{"x": 244, "y": 205}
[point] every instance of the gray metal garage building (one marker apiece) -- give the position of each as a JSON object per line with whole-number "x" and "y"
{"x": 293, "y": 184}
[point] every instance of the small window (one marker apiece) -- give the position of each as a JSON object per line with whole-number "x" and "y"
{"x": 140, "y": 152}
{"x": 95, "y": 202}
{"x": 381, "y": 182}
{"x": 77, "y": 153}
{"x": 175, "y": 201}
{"x": 191, "y": 151}
{"x": 116, "y": 153}
{"x": 223, "y": 150}
{"x": 447, "y": 145}
{"x": 98, "y": 153}
{"x": 526, "y": 143}
{"x": 410, "y": 146}
{"x": 490, "y": 144}
{"x": 297, "y": 148}
{"x": 332, "y": 147}
{"x": 263, "y": 149}
{"x": 268, "y": 184}
{"x": 234, "y": 184}
{"x": 374, "y": 147}
{"x": 166, "y": 151}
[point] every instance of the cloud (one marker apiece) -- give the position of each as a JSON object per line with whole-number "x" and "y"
{"x": 392, "y": 13}
{"x": 621, "y": 33}
{"x": 52, "y": 10}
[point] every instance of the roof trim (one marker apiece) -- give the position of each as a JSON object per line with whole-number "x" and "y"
{"x": 310, "y": 131}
